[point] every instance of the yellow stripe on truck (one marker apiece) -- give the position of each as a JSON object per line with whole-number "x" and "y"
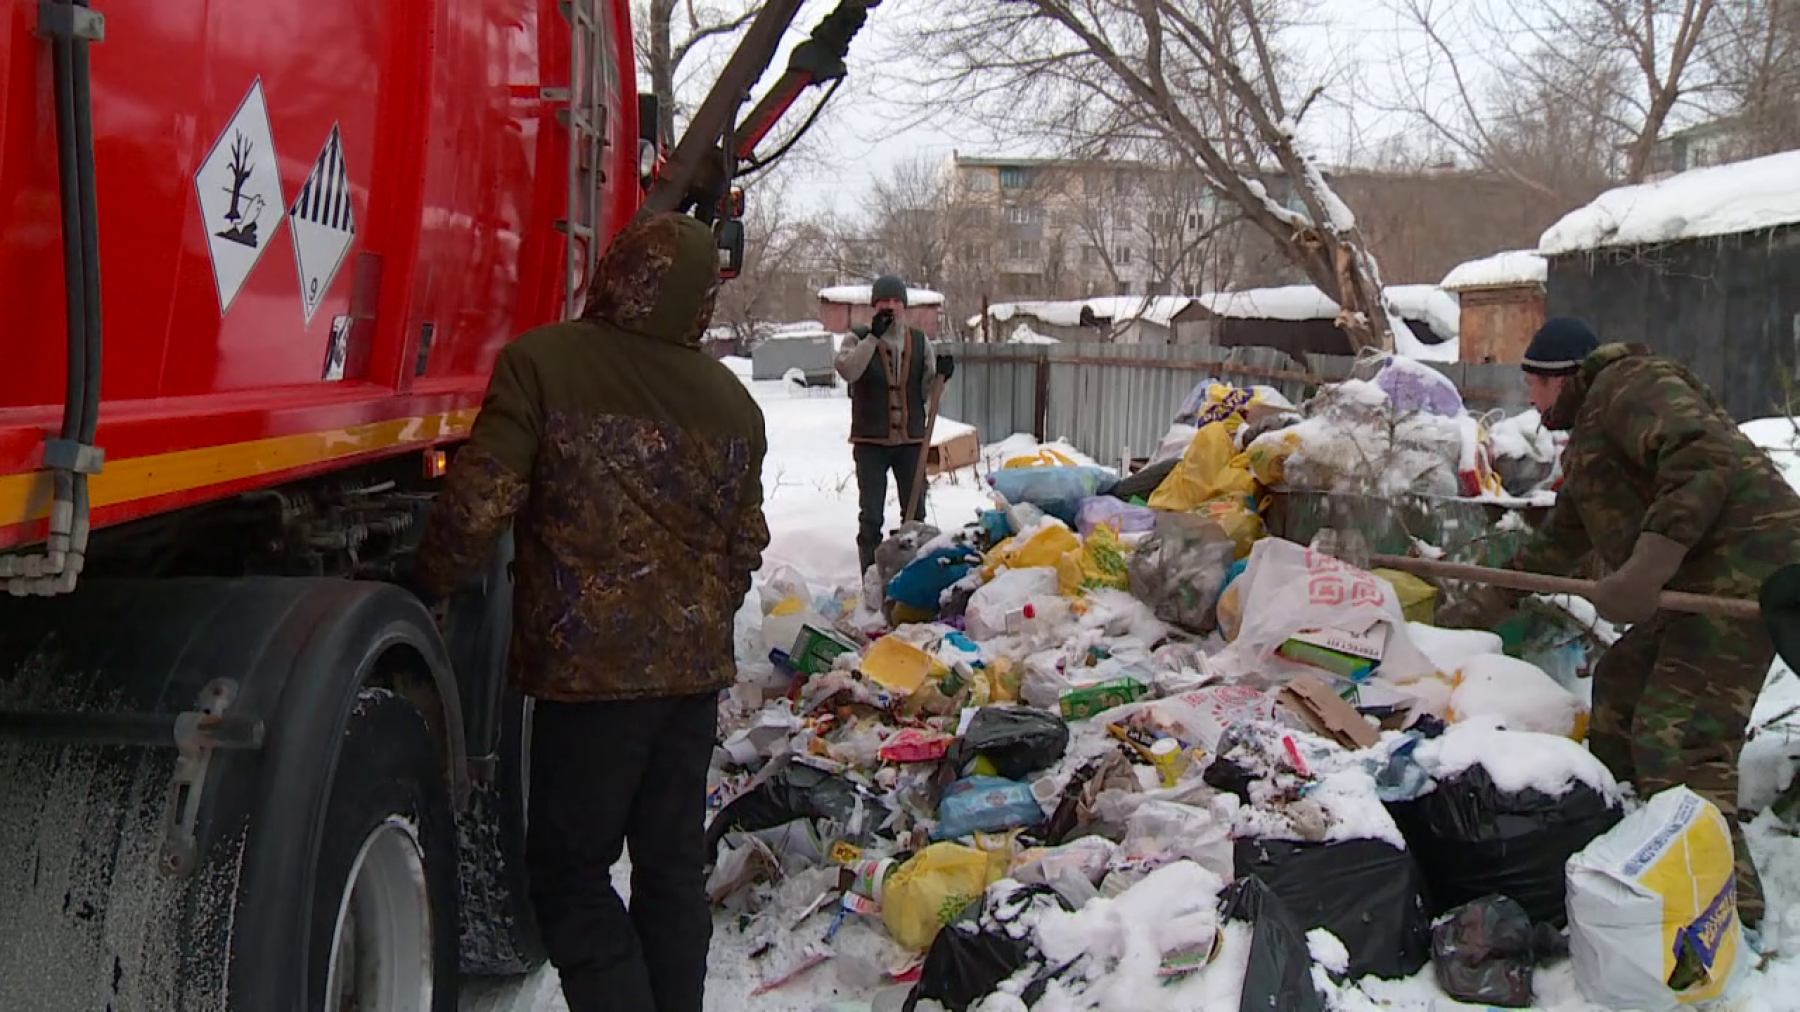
{"x": 26, "y": 497}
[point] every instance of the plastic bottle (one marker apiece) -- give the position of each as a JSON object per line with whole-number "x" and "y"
{"x": 1039, "y": 622}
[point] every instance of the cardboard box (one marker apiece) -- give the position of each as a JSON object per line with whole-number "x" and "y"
{"x": 953, "y": 454}
{"x": 1327, "y": 713}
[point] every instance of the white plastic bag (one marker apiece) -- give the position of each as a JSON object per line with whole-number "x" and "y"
{"x": 1655, "y": 895}
{"x": 1288, "y": 588}
{"x": 991, "y": 607}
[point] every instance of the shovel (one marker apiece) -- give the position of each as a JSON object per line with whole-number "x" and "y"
{"x": 1538, "y": 583}
{"x": 918, "y": 485}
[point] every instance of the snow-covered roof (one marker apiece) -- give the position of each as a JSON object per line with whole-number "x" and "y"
{"x": 1437, "y": 308}
{"x": 1718, "y": 200}
{"x": 1293, "y": 302}
{"x": 859, "y": 295}
{"x": 1160, "y": 310}
{"x": 1429, "y": 303}
{"x": 809, "y": 334}
{"x": 1502, "y": 270}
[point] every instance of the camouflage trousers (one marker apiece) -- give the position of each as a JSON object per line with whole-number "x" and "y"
{"x": 1672, "y": 699}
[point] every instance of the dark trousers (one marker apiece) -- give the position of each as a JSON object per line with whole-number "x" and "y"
{"x": 603, "y": 774}
{"x": 873, "y": 463}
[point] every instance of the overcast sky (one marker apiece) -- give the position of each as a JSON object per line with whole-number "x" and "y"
{"x": 860, "y": 139}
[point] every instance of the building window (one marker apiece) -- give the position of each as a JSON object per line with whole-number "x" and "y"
{"x": 1014, "y": 177}
{"x": 1090, "y": 255}
{"x": 981, "y": 180}
{"x": 1022, "y": 249}
{"x": 1023, "y": 214}
{"x": 1124, "y": 255}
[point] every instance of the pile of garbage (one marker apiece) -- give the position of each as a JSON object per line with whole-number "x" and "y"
{"x": 1087, "y": 753}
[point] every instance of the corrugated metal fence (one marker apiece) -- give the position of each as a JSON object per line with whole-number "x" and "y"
{"x": 1107, "y": 398}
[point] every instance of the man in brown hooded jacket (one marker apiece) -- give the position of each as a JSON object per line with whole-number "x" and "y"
{"x": 632, "y": 463}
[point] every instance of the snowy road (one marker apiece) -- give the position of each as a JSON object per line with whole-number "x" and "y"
{"x": 812, "y": 515}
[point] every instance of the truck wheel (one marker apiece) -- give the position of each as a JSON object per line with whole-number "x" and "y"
{"x": 384, "y": 932}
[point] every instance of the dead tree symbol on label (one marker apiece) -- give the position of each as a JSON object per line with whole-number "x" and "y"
{"x": 242, "y": 231}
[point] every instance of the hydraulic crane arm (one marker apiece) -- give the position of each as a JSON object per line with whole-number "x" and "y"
{"x": 715, "y": 148}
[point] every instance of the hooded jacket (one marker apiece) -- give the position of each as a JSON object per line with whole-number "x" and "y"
{"x": 632, "y": 462}
{"x": 1652, "y": 450}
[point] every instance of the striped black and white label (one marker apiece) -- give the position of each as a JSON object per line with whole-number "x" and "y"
{"x": 324, "y": 223}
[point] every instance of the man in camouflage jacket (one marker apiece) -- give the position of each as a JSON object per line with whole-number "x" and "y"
{"x": 632, "y": 462}
{"x": 1661, "y": 485}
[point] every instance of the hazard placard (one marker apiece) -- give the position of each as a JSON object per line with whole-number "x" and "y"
{"x": 323, "y": 221}
{"x": 239, "y": 191}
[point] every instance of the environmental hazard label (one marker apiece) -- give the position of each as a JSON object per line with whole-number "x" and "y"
{"x": 323, "y": 222}
{"x": 239, "y": 189}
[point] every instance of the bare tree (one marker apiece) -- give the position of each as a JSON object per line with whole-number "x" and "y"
{"x": 1755, "y": 53}
{"x": 1578, "y": 95}
{"x": 908, "y": 217}
{"x": 1202, "y": 83}
{"x": 669, "y": 33}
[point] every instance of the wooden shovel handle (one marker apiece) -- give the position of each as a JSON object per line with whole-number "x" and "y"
{"x": 1538, "y": 583}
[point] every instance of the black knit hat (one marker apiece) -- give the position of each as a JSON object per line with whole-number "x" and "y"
{"x": 888, "y": 286}
{"x": 1559, "y": 347}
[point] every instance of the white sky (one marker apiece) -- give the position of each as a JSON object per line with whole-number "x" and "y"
{"x": 859, "y": 139}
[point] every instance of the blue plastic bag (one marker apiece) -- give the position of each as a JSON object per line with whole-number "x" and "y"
{"x": 986, "y": 805}
{"x": 922, "y": 583}
{"x": 1057, "y": 491}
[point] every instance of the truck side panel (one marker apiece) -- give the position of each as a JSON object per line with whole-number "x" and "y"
{"x": 401, "y": 189}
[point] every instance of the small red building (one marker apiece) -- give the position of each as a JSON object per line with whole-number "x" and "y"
{"x": 847, "y": 306}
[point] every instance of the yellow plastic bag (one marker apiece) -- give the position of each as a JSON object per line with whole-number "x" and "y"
{"x": 1231, "y": 610}
{"x": 1193, "y": 479}
{"x": 1044, "y": 548}
{"x": 1100, "y": 563}
{"x": 1267, "y": 457}
{"x": 932, "y": 890}
{"x": 1418, "y": 599}
{"x": 1045, "y": 457}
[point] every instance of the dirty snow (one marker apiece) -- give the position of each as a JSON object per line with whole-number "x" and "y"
{"x": 1718, "y": 200}
{"x": 1513, "y": 267}
{"x": 859, "y": 295}
{"x": 805, "y": 436}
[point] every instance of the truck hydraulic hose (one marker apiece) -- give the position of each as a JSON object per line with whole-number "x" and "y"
{"x": 71, "y": 27}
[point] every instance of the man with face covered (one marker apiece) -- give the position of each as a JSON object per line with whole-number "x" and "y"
{"x": 631, "y": 464}
{"x": 890, "y": 367}
{"x": 1661, "y": 485}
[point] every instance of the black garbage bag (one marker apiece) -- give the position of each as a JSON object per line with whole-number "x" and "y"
{"x": 988, "y": 945}
{"x": 1483, "y": 953}
{"x": 1473, "y": 839}
{"x": 1019, "y": 741}
{"x": 799, "y": 791}
{"x": 1366, "y": 892}
{"x": 1280, "y": 971}
{"x": 1144, "y": 484}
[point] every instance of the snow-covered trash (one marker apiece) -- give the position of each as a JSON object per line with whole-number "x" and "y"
{"x": 1653, "y": 908}
{"x": 1520, "y": 694}
{"x": 1504, "y": 813}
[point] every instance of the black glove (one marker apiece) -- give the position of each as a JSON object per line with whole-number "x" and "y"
{"x": 946, "y": 366}
{"x": 880, "y": 324}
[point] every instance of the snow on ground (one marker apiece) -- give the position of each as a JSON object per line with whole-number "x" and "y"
{"x": 1513, "y": 267}
{"x": 1718, "y": 200}
{"x": 812, "y": 509}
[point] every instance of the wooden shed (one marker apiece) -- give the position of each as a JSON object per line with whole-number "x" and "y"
{"x": 1502, "y": 304}
{"x": 1703, "y": 267}
{"x": 846, "y": 306}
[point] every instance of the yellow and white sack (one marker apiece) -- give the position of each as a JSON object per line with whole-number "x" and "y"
{"x": 1653, "y": 895}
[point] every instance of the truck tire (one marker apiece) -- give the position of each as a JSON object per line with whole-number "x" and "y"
{"x": 384, "y": 902}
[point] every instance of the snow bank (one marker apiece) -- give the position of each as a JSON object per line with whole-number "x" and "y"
{"x": 859, "y": 295}
{"x": 1717, "y": 200}
{"x": 1516, "y": 760}
{"x": 1516, "y": 692}
{"x": 743, "y": 367}
{"x": 1513, "y": 267}
{"x": 1523, "y": 436}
